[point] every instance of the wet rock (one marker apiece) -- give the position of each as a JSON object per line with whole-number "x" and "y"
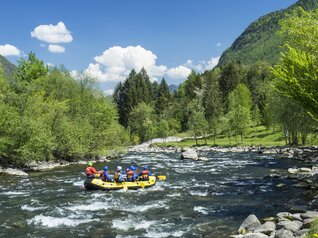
{"x": 266, "y": 228}
{"x": 249, "y": 224}
{"x": 10, "y": 171}
{"x": 281, "y": 185}
{"x": 189, "y": 154}
{"x": 255, "y": 235}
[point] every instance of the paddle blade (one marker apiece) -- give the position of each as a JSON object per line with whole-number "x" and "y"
{"x": 162, "y": 177}
{"x": 142, "y": 184}
{"x": 125, "y": 186}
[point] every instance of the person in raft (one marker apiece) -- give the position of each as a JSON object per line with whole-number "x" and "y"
{"x": 118, "y": 176}
{"x": 105, "y": 176}
{"x": 90, "y": 170}
{"x": 131, "y": 175}
{"x": 145, "y": 173}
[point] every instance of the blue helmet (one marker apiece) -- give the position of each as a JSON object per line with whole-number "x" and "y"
{"x": 105, "y": 168}
{"x": 131, "y": 167}
{"x": 145, "y": 167}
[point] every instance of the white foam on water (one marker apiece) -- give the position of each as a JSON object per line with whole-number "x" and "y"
{"x": 78, "y": 183}
{"x": 29, "y": 208}
{"x": 10, "y": 193}
{"x": 174, "y": 195}
{"x": 132, "y": 224}
{"x": 141, "y": 208}
{"x": 200, "y": 194}
{"x": 89, "y": 207}
{"x": 217, "y": 194}
{"x": 178, "y": 233}
{"x": 202, "y": 210}
{"x": 156, "y": 234}
{"x": 52, "y": 222}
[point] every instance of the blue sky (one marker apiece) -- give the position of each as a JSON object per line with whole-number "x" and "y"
{"x": 108, "y": 38}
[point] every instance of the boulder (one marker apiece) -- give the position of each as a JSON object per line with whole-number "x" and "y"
{"x": 189, "y": 154}
{"x": 10, "y": 171}
{"x": 290, "y": 225}
{"x": 249, "y": 224}
{"x": 255, "y": 235}
{"x": 308, "y": 222}
{"x": 266, "y": 228}
{"x": 309, "y": 214}
{"x": 284, "y": 234}
{"x": 283, "y": 216}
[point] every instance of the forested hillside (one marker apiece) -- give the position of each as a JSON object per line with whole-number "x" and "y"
{"x": 237, "y": 95}
{"x": 259, "y": 42}
{"x": 7, "y": 67}
{"x": 48, "y": 115}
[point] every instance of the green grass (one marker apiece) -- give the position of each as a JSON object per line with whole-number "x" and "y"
{"x": 313, "y": 232}
{"x": 257, "y": 136}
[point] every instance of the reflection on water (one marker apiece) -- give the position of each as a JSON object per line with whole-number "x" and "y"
{"x": 210, "y": 198}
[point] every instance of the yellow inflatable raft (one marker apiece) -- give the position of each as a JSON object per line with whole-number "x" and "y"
{"x": 98, "y": 184}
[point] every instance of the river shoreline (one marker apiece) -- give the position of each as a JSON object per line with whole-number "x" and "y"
{"x": 306, "y": 154}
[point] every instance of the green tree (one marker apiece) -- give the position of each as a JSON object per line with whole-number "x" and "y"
{"x": 239, "y": 115}
{"x": 297, "y": 71}
{"x": 239, "y": 120}
{"x": 142, "y": 122}
{"x": 163, "y": 97}
{"x": 135, "y": 89}
{"x": 197, "y": 123}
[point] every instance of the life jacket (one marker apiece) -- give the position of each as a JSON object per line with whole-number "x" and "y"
{"x": 90, "y": 171}
{"x": 130, "y": 175}
{"x": 116, "y": 177}
{"x": 145, "y": 175}
{"x": 104, "y": 178}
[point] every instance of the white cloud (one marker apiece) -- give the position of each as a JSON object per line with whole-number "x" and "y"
{"x": 75, "y": 74}
{"x": 179, "y": 72}
{"x": 42, "y": 45}
{"x": 56, "y": 48}
{"x": 9, "y": 50}
{"x": 116, "y": 63}
{"x": 218, "y": 44}
{"x": 203, "y": 65}
{"x": 52, "y": 33}
{"x": 212, "y": 63}
{"x": 109, "y": 92}
{"x": 50, "y": 65}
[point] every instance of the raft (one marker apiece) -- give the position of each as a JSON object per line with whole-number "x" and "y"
{"x": 98, "y": 184}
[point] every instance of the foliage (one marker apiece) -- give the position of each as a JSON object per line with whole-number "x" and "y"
{"x": 197, "y": 124}
{"x": 142, "y": 122}
{"x": 297, "y": 71}
{"x": 259, "y": 42}
{"x": 48, "y": 115}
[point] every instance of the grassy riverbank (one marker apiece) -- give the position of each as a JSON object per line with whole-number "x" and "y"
{"x": 258, "y": 136}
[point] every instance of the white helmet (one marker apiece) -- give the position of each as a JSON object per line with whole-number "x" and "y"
{"x": 119, "y": 168}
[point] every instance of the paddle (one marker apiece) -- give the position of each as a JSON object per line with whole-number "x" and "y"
{"x": 125, "y": 186}
{"x": 162, "y": 177}
{"x": 142, "y": 184}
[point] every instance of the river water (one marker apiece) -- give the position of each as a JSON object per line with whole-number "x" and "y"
{"x": 209, "y": 199}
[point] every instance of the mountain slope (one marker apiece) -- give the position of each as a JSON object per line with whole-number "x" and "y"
{"x": 7, "y": 66}
{"x": 259, "y": 42}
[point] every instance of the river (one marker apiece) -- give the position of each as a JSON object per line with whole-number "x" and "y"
{"x": 198, "y": 198}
